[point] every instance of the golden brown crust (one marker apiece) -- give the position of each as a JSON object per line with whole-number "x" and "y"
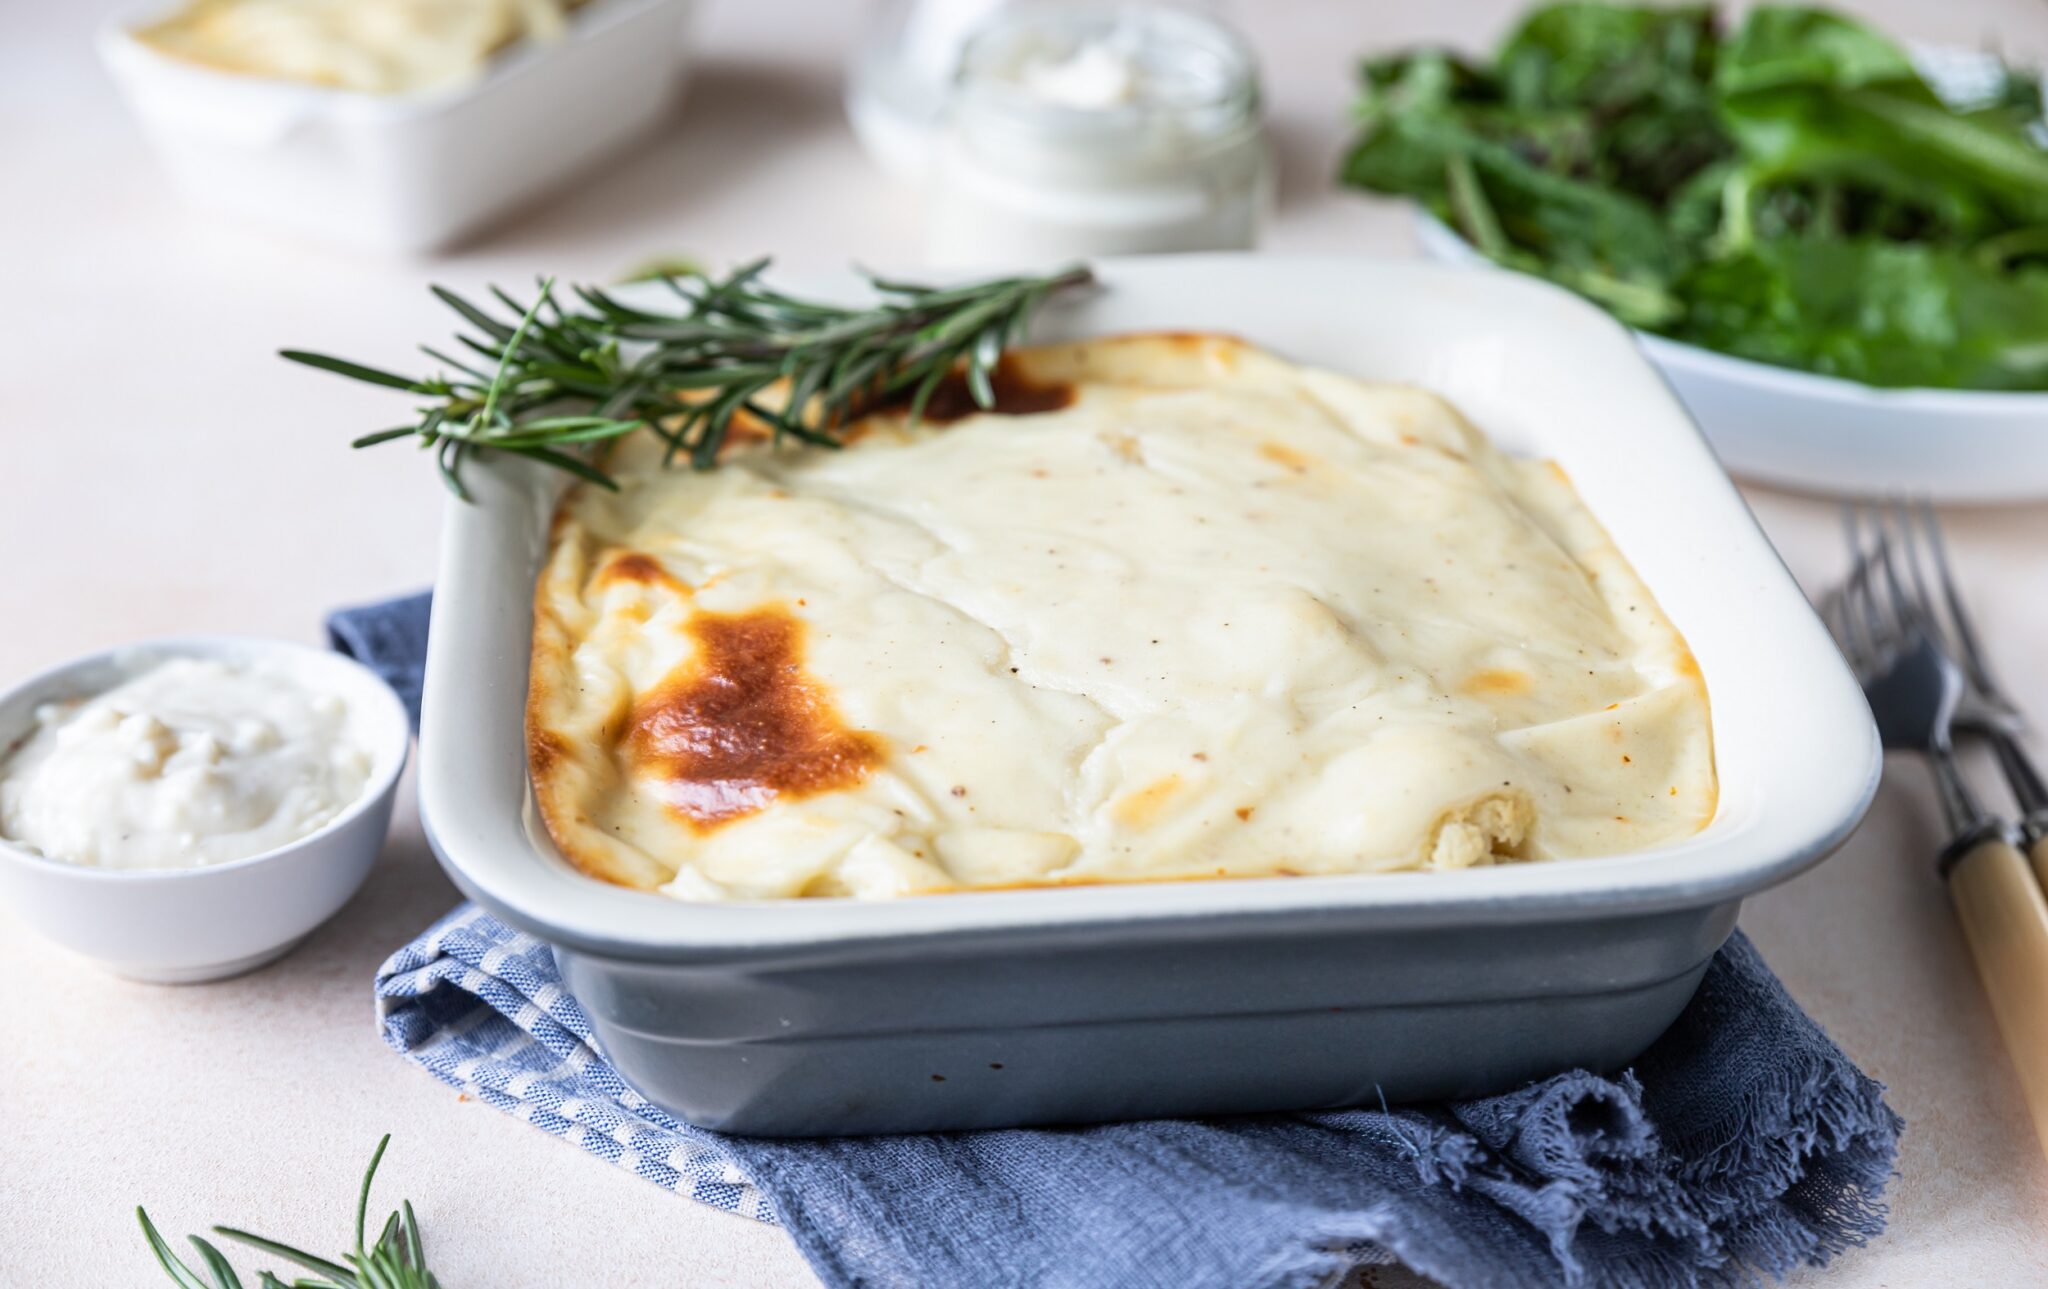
{"x": 560, "y": 779}
{"x": 740, "y": 726}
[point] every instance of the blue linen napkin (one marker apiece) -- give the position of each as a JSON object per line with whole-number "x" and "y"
{"x": 1742, "y": 1143}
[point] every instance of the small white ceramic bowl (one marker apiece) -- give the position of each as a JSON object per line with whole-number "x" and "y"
{"x": 190, "y": 924}
{"x": 1822, "y": 434}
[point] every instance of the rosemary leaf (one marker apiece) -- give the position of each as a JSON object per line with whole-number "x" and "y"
{"x": 564, "y": 461}
{"x": 498, "y": 386}
{"x": 925, "y": 389}
{"x": 415, "y": 1248}
{"x": 396, "y": 1261}
{"x": 476, "y": 317}
{"x": 333, "y": 1271}
{"x": 584, "y": 367}
{"x": 356, "y": 371}
{"x": 370, "y": 1175}
{"x": 456, "y": 363}
{"x": 446, "y": 459}
{"x": 224, "y": 1276}
{"x": 175, "y": 1269}
{"x": 380, "y": 436}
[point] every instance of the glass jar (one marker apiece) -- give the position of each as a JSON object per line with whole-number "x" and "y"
{"x": 1098, "y": 129}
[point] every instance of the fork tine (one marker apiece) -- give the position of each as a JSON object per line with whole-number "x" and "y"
{"x": 1856, "y": 619}
{"x": 1899, "y": 511}
{"x": 1910, "y": 585}
{"x": 1869, "y": 619}
{"x": 1904, "y": 611}
{"x": 1884, "y": 624}
{"x": 1835, "y": 617}
{"x": 1965, "y": 630}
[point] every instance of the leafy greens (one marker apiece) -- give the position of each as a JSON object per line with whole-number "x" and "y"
{"x": 1791, "y": 191}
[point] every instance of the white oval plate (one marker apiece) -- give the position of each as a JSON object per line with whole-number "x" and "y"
{"x": 1820, "y": 434}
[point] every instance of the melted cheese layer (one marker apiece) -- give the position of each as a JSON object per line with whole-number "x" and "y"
{"x": 373, "y": 46}
{"x": 1211, "y": 614}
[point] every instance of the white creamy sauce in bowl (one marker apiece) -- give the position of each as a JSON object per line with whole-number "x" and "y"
{"x": 188, "y": 762}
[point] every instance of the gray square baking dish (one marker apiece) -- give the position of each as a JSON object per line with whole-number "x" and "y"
{"x": 1003, "y": 1008}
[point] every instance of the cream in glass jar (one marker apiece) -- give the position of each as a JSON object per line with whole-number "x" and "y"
{"x": 1099, "y": 129}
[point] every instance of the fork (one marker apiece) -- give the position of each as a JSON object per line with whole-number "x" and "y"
{"x": 1894, "y": 644}
{"x": 1985, "y": 710}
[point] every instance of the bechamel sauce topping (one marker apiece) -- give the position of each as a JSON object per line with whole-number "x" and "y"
{"x": 1175, "y": 608}
{"x": 190, "y": 762}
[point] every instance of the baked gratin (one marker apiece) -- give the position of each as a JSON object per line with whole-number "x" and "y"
{"x": 1176, "y": 608}
{"x": 371, "y": 46}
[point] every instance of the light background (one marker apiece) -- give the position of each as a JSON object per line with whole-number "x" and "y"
{"x": 161, "y": 472}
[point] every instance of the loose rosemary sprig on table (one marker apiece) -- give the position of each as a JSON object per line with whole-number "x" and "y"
{"x": 396, "y": 1261}
{"x": 551, "y": 378}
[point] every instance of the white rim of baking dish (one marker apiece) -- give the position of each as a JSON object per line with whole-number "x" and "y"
{"x": 477, "y": 806}
{"x": 264, "y": 109}
{"x": 1444, "y": 244}
{"x": 52, "y": 684}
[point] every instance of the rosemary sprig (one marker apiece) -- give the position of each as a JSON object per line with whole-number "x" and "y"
{"x": 397, "y": 1260}
{"x": 548, "y": 379}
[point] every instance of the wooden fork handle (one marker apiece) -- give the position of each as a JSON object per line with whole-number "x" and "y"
{"x": 2005, "y": 920}
{"x": 2037, "y": 855}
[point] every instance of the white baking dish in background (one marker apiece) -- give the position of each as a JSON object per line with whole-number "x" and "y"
{"x": 404, "y": 172}
{"x": 984, "y": 1009}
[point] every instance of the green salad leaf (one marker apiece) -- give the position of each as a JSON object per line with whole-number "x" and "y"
{"x": 1790, "y": 191}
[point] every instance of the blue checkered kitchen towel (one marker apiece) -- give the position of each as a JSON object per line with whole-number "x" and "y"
{"x": 1742, "y": 1143}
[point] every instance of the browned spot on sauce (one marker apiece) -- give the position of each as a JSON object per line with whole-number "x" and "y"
{"x": 1282, "y": 455}
{"x": 1245, "y": 813}
{"x": 740, "y": 725}
{"x": 1497, "y": 680}
{"x": 640, "y": 567}
{"x": 850, "y": 433}
{"x": 543, "y": 751}
{"x": 745, "y": 428}
{"x": 1016, "y": 395}
{"x": 1143, "y": 808}
{"x": 1216, "y": 348}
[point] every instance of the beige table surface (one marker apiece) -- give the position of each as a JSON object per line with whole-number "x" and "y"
{"x": 161, "y": 472}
